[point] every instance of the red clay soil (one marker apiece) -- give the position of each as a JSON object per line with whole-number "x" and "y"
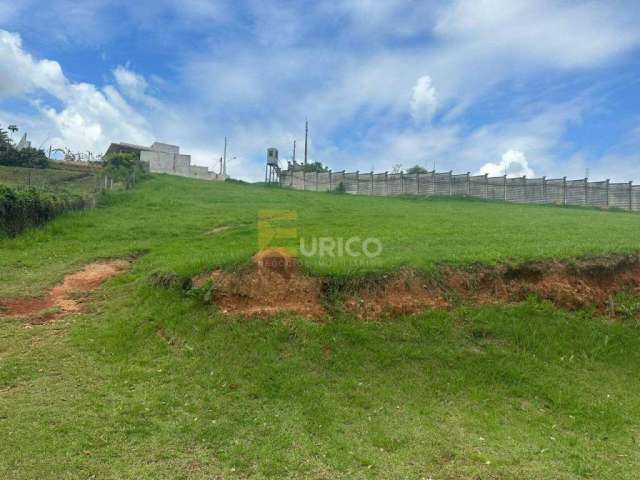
{"x": 64, "y": 298}
{"x": 275, "y": 284}
{"x": 586, "y": 283}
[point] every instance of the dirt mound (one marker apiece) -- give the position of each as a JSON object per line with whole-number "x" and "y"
{"x": 65, "y": 297}
{"x": 273, "y": 285}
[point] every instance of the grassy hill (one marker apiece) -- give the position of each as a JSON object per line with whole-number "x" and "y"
{"x": 74, "y": 181}
{"x": 150, "y": 383}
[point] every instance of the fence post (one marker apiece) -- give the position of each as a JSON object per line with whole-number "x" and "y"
{"x": 468, "y": 184}
{"x": 330, "y": 181}
{"x": 505, "y": 188}
{"x": 586, "y": 191}
{"x": 607, "y": 192}
{"x": 564, "y": 191}
{"x": 433, "y": 178}
{"x": 486, "y": 186}
{"x": 450, "y": 182}
{"x": 631, "y": 196}
{"x": 386, "y": 184}
{"x": 418, "y": 183}
{"x": 544, "y": 189}
{"x": 524, "y": 188}
{"x": 357, "y": 181}
{"x": 316, "y": 181}
{"x": 304, "y": 180}
{"x": 371, "y": 183}
{"x": 401, "y": 183}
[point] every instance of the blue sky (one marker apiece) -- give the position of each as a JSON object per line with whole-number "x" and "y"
{"x": 536, "y": 87}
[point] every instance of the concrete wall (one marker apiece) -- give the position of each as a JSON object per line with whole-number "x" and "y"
{"x": 182, "y": 164}
{"x": 165, "y": 147}
{"x": 165, "y": 158}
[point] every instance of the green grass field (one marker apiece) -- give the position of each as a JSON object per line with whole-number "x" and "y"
{"x": 74, "y": 181}
{"x": 148, "y": 383}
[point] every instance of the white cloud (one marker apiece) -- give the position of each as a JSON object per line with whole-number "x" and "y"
{"x": 88, "y": 118}
{"x": 20, "y": 73}
{"x": 134, "y": 86}
{"x": 544, "y": 32}
{"x": 130, "y": 82}
{"x": 424, "y": 101}
{"x": 513, "y": 164}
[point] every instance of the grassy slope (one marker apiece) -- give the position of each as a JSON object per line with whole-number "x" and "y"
{"x": 152, "y": 385}
{"x": 74, "y": 181}
{"x": 173, "y": 219}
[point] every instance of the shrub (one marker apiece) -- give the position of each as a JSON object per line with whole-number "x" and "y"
{"x": 28, "y": 207}
{"x": 123, "y": 167}
{"x": 27, "y": 157}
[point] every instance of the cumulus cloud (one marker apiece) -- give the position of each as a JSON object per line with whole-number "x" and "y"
{"x": 21, "y": 73}
{"x": 424, "y": 101}
{"x": 132, "y": 83}
{"x": 85, "y": 117}
{"x": 560, "y": 34}
{"x": 513, "y": 164}
{"x": 134, "y": 86}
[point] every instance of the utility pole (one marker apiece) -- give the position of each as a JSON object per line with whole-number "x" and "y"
{"x": 306, "y": 139}
{"x": 294, "y": 152}
{"x": 224, "y": 157}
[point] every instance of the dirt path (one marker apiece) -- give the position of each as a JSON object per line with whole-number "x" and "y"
{"x": 66, "y": 297}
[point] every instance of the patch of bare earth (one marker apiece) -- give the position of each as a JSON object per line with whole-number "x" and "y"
{"x": 274, "y": 284}
{"x": 585, "y": 283}
{"x": 66, "y": 297}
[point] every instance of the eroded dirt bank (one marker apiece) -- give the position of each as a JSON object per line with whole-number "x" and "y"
{"x": 66, "y": 297}
{"x": 275, "y": 284}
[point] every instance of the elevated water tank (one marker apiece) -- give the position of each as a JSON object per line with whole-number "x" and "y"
{"x": 272, "y": 156}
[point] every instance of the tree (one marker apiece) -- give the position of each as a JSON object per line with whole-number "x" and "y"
{"x": 32, "y": 158}
{"x": 417, "y": 169}
{"x": 314, "y": 167}
{"x": 123, "y": 167}
{"x": 5, "y": 142}
{"x": 27, "y": 157}
{"x": 13, "y": 129}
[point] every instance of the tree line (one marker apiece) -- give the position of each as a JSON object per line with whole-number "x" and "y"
{"x": 27, "y": 157}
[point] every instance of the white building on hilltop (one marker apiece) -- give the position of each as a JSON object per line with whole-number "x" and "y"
{"x": 165, "y": 158}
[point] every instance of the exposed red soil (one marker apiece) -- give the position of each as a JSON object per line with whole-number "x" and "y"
{"x": 64, "y": 298}
{"x": 401, "y": 293}
{"x": 586, "y": 283}
{"x": 275, "y": 284}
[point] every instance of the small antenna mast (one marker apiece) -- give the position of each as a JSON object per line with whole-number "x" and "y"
{"x": 306, "y": 139}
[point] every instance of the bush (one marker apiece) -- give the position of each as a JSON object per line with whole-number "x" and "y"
{"x": 27, "y": 157}
{"x": 24, "y": 208}
{"x": 123, "y": 167}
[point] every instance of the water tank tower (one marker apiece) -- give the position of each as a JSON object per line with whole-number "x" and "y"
{"x": 272, "y": 171}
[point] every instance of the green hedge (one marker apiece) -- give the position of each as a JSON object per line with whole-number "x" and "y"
{"x": 28, "y": 207}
